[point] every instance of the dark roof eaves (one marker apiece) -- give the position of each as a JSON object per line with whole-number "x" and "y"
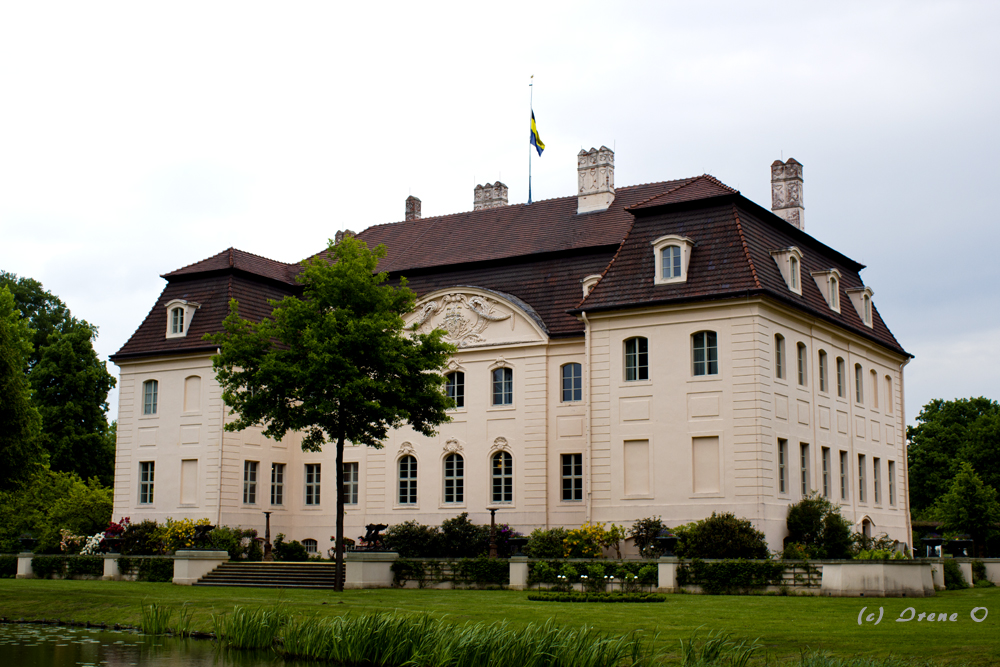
{"x": 128, "y": 356}
{"x": 230, "y": 271}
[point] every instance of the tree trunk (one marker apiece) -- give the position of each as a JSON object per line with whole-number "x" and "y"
{"x": 339, "y": 544}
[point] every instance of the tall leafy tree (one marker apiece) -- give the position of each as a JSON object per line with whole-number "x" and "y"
{"x": 335, "y": 364}
{"x": 20, "y": 422}
{"x": 71, "y": 387}
{"x": 46, "y": 313}
{"x": 948, "y": 433}
{"x": 970, "y": 506}
{"x": 70, "y": 382}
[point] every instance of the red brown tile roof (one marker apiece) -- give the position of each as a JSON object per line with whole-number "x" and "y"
{"x": 233, "y": 259}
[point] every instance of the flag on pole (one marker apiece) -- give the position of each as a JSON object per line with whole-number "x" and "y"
{"x": 536, "y": 140}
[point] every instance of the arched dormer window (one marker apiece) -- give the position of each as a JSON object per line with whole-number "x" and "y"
{"x": 862, "y": 300}
{"x": 828, "y": 283}
{"x": 672, "y": 255}
{"x": 789, "y": 261}
{"x": 179, "y": 314}
{"x": 705, "y": 353}
{"x": 455, "y": 387}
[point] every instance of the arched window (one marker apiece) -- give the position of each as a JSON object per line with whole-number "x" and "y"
{"x": 407, "y": 481}
{"x": 889, "y": 400}
{"x": 834, "y": 293}
{"x": 793, "y": 273}
{"x": 192, "y": 393}
{"x": 705, "y": 353}
{"x": 177, "y": 321}
{"x": 823, "y": 375}
{"x": 636, "y": 359}
{"x": 503, "y": 386}
{"x": 874, "y": 374}
{"x": 859, "y": 384}
{"x": 802, "y": 362}
{"x": 502, "y": 465}
{"x": 149, "y": 391}
{"x": 454, "y": 479}
{"x": 310, "y": 545}
{"x": 671, "y": 258}
{"x": 779, "y": 356}
{"x": 455, "y": 388}
{"x": 572, "y": 382}
{"x": 868, "y": 310}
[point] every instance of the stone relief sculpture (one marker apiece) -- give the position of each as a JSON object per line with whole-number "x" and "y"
{"x": 465, "y": 317}
{"x": 406, "y": 448}
{"x": 453, "y": 445}
{"x": 500, "y": 444}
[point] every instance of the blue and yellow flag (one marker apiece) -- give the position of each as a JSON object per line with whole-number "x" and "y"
{"x": 536, "y": 140}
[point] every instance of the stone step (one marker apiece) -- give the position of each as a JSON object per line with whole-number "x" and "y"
{"x": 272, "y": 575}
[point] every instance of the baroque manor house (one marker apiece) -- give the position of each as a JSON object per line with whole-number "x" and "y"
{"x": 666, "y": 349}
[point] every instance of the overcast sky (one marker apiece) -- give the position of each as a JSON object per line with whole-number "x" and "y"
{"x": 136, "y": 138}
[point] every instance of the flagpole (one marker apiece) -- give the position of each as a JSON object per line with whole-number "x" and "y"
{"x": 531, "y": 108}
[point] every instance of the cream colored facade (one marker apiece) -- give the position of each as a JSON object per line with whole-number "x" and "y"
{"x": 676, "y": 445}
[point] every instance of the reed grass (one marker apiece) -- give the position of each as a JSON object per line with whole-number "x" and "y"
{"x": 822, "y": 659}
{"x": 249, "y": 629}
{"x": 155, "y": 619}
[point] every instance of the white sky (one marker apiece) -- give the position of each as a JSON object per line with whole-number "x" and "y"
{"x": 136, "y": 138}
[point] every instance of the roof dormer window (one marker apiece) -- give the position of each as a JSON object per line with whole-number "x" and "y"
{"x": 789, "y": 261}
{"x": 828, "y": 283}
{"x": 862, "y": 300}
{"x": 179, "y": 314}
{"x": 672, "y": 255}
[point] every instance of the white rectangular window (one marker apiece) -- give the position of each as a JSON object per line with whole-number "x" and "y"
{"x": 782, "y": 466}
{"x": 840, "y": 377}
{"x": 779, "y": 356}
{"x": 455, "y": 388}
{"x": 862, "y": 481}
{"x": 146, "y": 482}
{"x": 826, "y": 472}
{"x": 312, "y": 483}
{"x": 843, "y": 475}
{"x": 859, "y": 385}
{"x": 877, "y": 479}
{"x": 407, "y": 480}
{"x": 705, "y": 353}
{"x": 277, "y": 483}
{"x": 874, "y": 389}
{"x": 572, "y": 383}
{"x": 351, "y": 483}
{"x": 572, "y": 477}
{"x": 249, "y": 482}
{"x": 503, "y": 386}
{"x": 822, "y": 371}
{"x": 804, "y": 468}
{"x": 149, "y": 390}
{"x": 454, "y": 478}
{"x": 892, "y": 482}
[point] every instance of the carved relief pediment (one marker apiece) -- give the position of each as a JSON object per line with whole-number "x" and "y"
{"x": 473, "y": 318}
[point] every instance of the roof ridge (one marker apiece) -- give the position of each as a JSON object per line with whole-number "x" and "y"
{"x": 692, "y": 181}
{"x": 660, "y": 194}
{"x": 746, "y": 248}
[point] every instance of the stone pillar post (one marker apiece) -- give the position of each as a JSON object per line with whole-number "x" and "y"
{"x": 667, "y": 571}
{"x": 24, "y": 570}
{"x": 111, "y": 569}
{"x": 518, "y": 573}
{"x": 368, "y": 569}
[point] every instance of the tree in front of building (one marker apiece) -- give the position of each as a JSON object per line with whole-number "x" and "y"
{"x": 948, "y": 433}
{"x": 970, "y": 506}
{"x": 816, "y": 529}
{"x": 335, "y": 364}
{"x": 20, "y": 423}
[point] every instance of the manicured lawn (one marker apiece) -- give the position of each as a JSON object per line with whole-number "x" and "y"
{"x": 785, "y": 625}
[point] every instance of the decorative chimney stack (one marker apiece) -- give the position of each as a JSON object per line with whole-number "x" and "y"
{"x": 596, "y": 175}
{"x": 412, "y": 208}
{"x": 786, "y": 191}
{"x": 490, "y": 196}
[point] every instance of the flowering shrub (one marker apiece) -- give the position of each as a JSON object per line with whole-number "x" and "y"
{"x": 585, "y": 541}
{"x": 92, "y": 544}
{"x": 180, "y": 534}
{"x": 117, "y": 529}
{"x": 70, "y": 543}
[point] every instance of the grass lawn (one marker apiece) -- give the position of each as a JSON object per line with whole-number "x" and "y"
{"x": 785, "y": 625}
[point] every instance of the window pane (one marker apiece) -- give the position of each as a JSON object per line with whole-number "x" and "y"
{"x": 455, "y": 388}
{"x": 502, "y": 478}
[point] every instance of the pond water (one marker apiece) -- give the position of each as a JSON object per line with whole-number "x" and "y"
{"x": 25, "y": 645}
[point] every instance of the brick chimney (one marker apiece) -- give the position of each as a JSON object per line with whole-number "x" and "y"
{"x": 412, "y": 208}
{"x": 490, "y": 196}
{"x": 786, "y": 191}
{"x": 595, "y": 171}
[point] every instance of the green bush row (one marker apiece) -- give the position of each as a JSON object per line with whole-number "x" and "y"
{"x": 738, "y": 576}
{"x": 596, "y": 597}
{"x": 481, "y": 571}
{"x": 8, "y": 567}
{"x": 45, "y": 567}
{"x": 148, "y": 569}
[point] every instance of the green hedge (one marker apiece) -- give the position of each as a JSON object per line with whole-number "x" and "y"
{"x": 635, "y": 573}
{"x": 480, "y": 571}
{"x": 597, "y": 597}
{"x": 85, "y": 565}
{"x": 8, "y": 567}
{"x": 148, "y": 569}
{"x": 45, "y": 567}
{"x": 730, "y": 576}
{"x": 69, "y": 566}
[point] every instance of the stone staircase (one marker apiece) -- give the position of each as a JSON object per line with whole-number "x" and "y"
{"x": 272, "y": 575}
